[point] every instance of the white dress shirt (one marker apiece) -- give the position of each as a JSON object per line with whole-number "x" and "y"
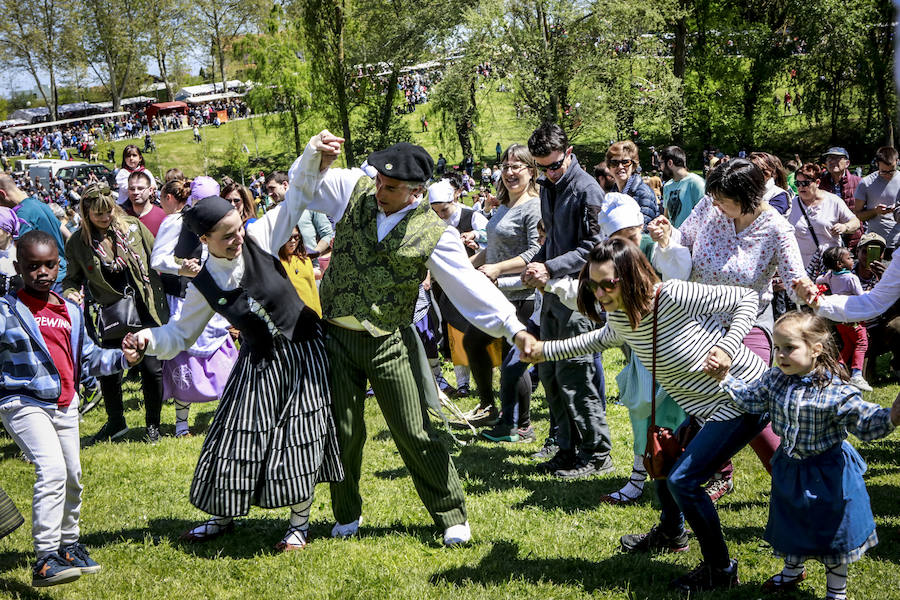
{"x": 868, "y": 305}
{"x": 471, "y": 292}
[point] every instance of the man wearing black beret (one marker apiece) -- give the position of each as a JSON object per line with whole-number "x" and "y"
{"x": 386, "y": 239}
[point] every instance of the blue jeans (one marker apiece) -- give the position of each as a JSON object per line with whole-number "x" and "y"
{"x": 682, "y": 495}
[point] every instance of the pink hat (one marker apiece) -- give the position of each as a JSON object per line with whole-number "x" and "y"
{"x": 203, "y": 187}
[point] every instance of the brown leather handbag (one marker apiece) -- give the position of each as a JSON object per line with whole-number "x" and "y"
{"x": 663, "y": 447}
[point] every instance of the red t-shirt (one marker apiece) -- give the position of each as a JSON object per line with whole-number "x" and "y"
{"x": 56, "y": 329}
{"x": 152, "y": 220}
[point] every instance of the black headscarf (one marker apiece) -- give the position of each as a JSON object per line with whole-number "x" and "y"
{"x": 202, "y": 217}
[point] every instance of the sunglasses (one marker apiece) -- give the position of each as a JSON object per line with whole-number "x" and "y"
{"x": 552, "y": 166}
{"x": 803, "y": 183}
{"x": 608, "y": 285}
{"x": 294, "y": 237}
{"x": 614, "y": 162}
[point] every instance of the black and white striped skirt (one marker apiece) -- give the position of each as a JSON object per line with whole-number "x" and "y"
{"x": 273, "y": 435}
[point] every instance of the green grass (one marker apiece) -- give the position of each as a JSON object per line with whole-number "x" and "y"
{"x": 534, "y": 536}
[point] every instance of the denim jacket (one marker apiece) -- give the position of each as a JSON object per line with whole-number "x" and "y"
{"x": 26, "y": 368}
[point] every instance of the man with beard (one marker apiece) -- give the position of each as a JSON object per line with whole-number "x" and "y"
{"x": 683, "y": 189}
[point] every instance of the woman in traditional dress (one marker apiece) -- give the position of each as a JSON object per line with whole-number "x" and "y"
{"x": 273, "y": 436}
{"x": 199, "y": 373}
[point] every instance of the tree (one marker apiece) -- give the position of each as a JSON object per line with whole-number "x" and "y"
{"x": 165, "y": 39}
{"x": 111, "y": 44}
{"x": 222, "y": 21}
{"x": 454, "y": 100}
{"x": 280, "y": 75}
{"x": 35, "y": 40}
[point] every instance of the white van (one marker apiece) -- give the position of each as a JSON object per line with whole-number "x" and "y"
{"x": 41, "y": 171}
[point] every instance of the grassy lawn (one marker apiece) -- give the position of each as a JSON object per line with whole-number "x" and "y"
{"x": 534, "y": 536}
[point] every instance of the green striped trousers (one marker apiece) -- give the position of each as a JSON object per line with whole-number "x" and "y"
{"x": 394, "y": 366}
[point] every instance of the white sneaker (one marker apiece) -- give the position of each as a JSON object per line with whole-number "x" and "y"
{"x": 861, "y": 384}
{"x": 456, "y": 535}
{"x": 345, "y": 531}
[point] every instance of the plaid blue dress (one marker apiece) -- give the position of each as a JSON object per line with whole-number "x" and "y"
{"x": 819, "y": 508}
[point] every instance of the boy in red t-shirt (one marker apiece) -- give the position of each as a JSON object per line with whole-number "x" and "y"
{"x": 42, "y": 351}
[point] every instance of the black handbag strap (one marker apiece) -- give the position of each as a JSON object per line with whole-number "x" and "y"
{"x": 653, "y": 361}
{"x": 808, "y": 222}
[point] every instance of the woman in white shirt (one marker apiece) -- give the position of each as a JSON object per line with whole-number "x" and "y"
{"x": 819, "y": 217}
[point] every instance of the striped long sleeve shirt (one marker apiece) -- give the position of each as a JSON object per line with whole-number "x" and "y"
{"x": 687, "y": 331}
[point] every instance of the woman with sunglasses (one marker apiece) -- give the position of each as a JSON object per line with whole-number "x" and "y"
{"x": 619, "y": 280}
{"x": 199, "y": 373}
{"x": 623, "y": 162}
{"x": 820, "y": 218}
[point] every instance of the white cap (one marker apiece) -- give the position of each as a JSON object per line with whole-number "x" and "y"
{"x": 619, "y": 211}
{"x": 440, "y": 191}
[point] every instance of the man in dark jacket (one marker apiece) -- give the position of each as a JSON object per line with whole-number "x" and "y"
{"x": 570, "y": 203}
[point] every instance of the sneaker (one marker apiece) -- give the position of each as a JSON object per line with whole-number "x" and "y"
{"x": 501, "y": 433}
{"x": 861, "y": 384}
{"x": 152, "y": 434}
{"x": 457, "y": 535}
{"x": 526, "y": 435}
{"x": 90, "y": 400}
{"x": 344, "y": 531}
{"x": 77, "y": 556}
{"x": 587, "y": 466}
{"x": 549, "y": 449}
{"x": 562, "y": 460}
{"x": 460, "y": 392}
{"x": 487, "y": 418}
{"x": 655, "y": 541}
{"x": 718, "y": 488}
{"x": 705, "y": 578}
{"x": 109, "y": 432}
{"x": 53, "y": 570}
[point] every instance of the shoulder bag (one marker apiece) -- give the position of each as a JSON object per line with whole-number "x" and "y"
{"x": 663, "y": 446}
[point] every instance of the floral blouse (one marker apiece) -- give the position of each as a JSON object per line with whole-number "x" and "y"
{"x": 750, "y": 258}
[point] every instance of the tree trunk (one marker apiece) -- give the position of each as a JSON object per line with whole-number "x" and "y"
{"x": 678, "y": 70}
{"x": 295, "y": 123}
{"x": 340, "y": 85}
{"x": 387, "y": 108}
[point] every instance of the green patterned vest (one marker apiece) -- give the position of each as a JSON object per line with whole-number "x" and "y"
{"x": 378, "y": 282}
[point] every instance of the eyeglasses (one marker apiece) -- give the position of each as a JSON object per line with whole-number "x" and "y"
{"x": 614, "y": 162}
{"x": 802, "y": 183}
{"x": 608, "y": 285}
{"x": 513, "y": 167}
{"x": 552, "y": 166}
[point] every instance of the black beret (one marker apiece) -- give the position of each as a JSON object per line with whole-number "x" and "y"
{"x": 202, "y": 217}
{"x": 403, "y": 161}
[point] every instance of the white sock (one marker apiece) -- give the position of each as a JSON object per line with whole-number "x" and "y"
{"x": 296, "y": 533}
{"x": 789, "y": 573}
{"x": 182, "y": 409}
{"x": 836, "y": 582}
{"x": 212, "y": 526}
{"x": 634, "y": 489}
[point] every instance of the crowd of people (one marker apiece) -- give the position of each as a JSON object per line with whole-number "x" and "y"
{"x": 290, "y": 301}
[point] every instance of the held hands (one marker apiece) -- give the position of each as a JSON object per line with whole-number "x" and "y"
{"x": 717, "y": 363}
{"x": 807, "y": 291}
{"x": 531, "y": 349}
{"x": 660, "y": 230}
{"x": 189, "y": 267}
{"x": 536, "y": 275}
{"x": 133, "y": 348}
{"x": 468, "y": 240}
{"x": 491, "y": 270}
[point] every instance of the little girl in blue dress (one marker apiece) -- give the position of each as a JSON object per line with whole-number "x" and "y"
{"x": 819, "y": 507}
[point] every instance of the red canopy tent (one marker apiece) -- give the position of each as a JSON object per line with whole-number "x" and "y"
{"x": 164, "y": 107}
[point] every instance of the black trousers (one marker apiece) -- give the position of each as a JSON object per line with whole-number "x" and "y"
{"x": 151, "y": 383}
